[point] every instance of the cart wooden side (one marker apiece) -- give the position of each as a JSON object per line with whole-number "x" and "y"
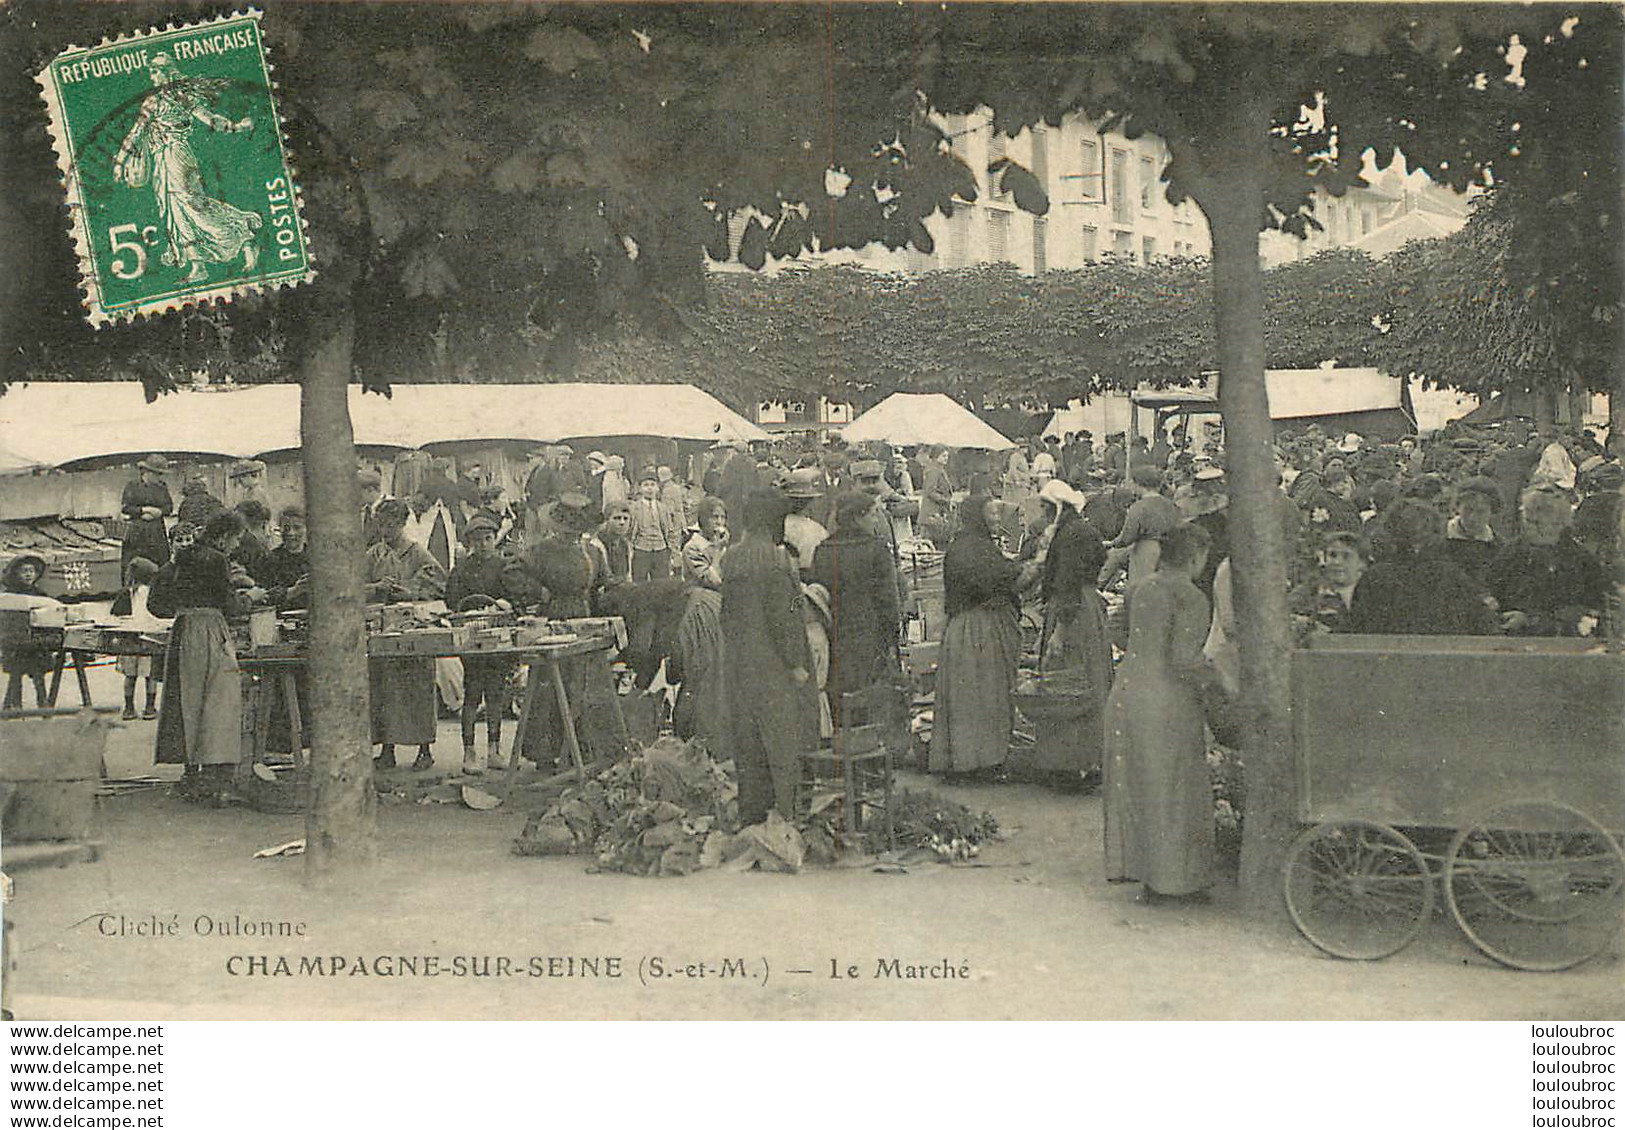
{"x": 1427, "y": 730}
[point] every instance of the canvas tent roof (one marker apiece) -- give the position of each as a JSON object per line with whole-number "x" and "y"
{"x": 1299, "y": 393}
{"x": 59, "y": 423}
{"x": 906, "y": 419}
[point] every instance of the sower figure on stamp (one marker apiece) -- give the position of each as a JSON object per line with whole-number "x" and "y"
{"x": 198, "y": 228}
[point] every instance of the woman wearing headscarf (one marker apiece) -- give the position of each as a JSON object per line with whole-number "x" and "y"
{"x": 772, "y": 704}
{"x": 201, "y": 715}
{"x": 1159, "y": 802}
{"x": 1074, "y": 636}
{"x": 981, "y": 645}
{"x": 856, "y": 569}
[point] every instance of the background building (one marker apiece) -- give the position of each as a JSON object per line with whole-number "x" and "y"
{"x": 1107, "y": 198}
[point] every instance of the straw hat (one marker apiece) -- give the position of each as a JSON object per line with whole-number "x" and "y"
{"x": 155, "y": 463}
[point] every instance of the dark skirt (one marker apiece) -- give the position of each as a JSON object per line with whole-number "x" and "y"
{"x": 200, "y": 721}
{"x": 1077, "y": 650}
{"x": 144, "y": 537}
{"x": 403, "y": 700}
{"x": 976, "y": 679}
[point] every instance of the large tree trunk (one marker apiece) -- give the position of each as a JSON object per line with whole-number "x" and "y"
{"x": 1616, "y": 414}
{"x": 342, "y": 819}
{"x": 1258, "y": 550}
{"x": 1545, "y": 398}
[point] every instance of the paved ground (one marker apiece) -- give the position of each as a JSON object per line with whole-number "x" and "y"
{"x": 1036, "y": 930}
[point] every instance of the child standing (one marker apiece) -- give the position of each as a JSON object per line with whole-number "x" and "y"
{"x": 138, "y": 578}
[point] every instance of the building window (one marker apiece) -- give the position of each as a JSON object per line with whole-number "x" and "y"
{"x": 1091, "y": 243}
{"x": 1090, "y": 178}
{"x": 1149, "y": 247}
{"x": 998, "y": 237}
{"x": 959, "y": 237}
{"x": 1040, "y": 168}
{"x": 1148, "y": 183}
{"x": 1123, "y": 245}
{"x": 1365, "y": 221}
{"x": 1040, "y": 245}
{"x": 1122, "y": 206}
{"x": 995, "y": 152}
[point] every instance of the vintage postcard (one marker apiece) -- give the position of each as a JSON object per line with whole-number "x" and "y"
{"x": 179, "y": 187}
{"x": 864, "y": 523}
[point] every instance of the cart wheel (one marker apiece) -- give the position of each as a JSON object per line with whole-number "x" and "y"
{"x": 1357, "y": 889}
{"x": 1536, "y": 885}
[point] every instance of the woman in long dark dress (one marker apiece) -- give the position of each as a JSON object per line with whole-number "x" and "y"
{"x": 981, "y": 646}
{"x": 1159, "y": 802}
{"x": 200, "y": 719}
{"x": 856, "y": 569}
{"x": 145, "y": 504}
{"x": 771, "y": 700}
{"x": 1074, "y": 638}
{"x": 557, "y": 573}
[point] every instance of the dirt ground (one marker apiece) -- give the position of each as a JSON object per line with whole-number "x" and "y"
{"x": 1033, "y": 927}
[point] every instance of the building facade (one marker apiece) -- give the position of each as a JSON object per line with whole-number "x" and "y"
{"x": 1107, "y": 199}
{"x": 1105, "y": 194}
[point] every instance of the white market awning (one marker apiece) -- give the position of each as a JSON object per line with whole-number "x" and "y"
{"x": 61, "y": 423}
{"x": 908, "y": 419}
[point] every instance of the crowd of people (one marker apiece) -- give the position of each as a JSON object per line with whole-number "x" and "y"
{"x": 763, "y": 584}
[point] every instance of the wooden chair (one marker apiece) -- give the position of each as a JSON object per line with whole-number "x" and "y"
{"x": 870, "y": 725}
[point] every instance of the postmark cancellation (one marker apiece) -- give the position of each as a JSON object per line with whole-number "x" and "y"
{"x": 180, "y": 188}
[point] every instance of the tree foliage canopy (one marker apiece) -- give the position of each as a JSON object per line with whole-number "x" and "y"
{"x": 989, "y": 333}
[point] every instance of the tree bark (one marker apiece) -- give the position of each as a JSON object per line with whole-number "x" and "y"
{"x": 341, "y": 823}
{"x": 1233, "y": 201}
{"x": 1545, "y": 398}
{"x": 1616, "y": 414}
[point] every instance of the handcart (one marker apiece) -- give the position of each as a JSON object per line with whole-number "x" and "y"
{"x": 1486, "y": 770}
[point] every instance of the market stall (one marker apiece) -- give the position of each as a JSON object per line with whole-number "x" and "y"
{"x": 910, "y": 419}
{"x": 271, "y": 653}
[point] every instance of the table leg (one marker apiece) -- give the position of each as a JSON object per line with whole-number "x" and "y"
{"x": 84, "y": 683}
{"x": 262, "y": 722}
{"x": 623, "y": 731}
{"x": 566, "y": 718}
{"x": 296, "y": 723}
{"x": 533, "y": 687}
{"x": 56, "y": 678}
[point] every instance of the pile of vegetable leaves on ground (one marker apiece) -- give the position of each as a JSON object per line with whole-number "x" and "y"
{"x": 923, "y": 820}
{"x": 650, "y": 814}
{"x": 672, "y": 809}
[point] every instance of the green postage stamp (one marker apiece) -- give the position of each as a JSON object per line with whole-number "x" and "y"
{"x": 180, "y": 188}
